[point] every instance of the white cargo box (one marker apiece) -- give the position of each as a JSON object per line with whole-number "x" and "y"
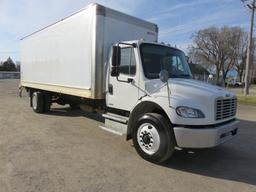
{"x": 69, "y": 56}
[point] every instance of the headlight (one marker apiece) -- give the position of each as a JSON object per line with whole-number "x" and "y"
{"x": 188, "y": 112}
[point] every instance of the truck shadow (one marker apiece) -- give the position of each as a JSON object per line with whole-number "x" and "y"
{"x": 234, "y": 160}
{"x": 68, "y": 112}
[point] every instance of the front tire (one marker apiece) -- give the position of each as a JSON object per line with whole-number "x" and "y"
{"x": 153, "y": 138}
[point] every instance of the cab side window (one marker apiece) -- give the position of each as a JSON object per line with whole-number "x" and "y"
{"x": 128, "y": 63}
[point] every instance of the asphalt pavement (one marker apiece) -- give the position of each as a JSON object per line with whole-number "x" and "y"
{"x": 65, "y": 151}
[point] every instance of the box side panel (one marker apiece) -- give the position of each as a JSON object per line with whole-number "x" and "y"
{"x": 122, "y": 27}
{"x": 61, "y": 54}
{"x": 118, "y": 30}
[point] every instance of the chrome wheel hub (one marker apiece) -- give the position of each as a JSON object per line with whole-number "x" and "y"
{"x": 148, "y": 138}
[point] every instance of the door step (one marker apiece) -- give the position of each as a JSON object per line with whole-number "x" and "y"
{"x": 115, "y": 124}
{"x": 115, "y": 117}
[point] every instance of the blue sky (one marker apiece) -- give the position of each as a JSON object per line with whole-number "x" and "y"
{"x": 177, "y": 19}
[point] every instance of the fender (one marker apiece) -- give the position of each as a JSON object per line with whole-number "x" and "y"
{"x": 140, "y": 109}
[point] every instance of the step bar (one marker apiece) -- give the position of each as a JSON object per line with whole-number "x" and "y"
{"x": 115, "y": 117}
{"x": 115, "y": 124}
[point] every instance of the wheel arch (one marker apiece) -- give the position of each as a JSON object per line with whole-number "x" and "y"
{"x": 142, "y": 108}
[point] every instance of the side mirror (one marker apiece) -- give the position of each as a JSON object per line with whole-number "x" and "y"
{"x": 164, "y": 75}
{"x": 116, "y": 56}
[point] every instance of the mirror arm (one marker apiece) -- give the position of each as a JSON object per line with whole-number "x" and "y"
{"x": 168, "y": 93}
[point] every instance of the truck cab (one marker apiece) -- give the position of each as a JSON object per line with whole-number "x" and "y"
{"x": 151, "y": 86}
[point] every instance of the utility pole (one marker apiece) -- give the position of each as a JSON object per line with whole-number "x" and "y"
{"x": 249, "y": 49}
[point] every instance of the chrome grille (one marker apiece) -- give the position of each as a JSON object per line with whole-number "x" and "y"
{"x": 225, "y": 108}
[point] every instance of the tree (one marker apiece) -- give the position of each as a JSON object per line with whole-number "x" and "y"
{"x": 218, "y": 47}
{"x": 241, "y": 60}
{"x": 232, "y": 37}
{"x": 8, "y": 65}
{"x": 240, "y": 66}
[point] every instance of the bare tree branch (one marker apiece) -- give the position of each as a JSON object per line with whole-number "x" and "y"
{"x": 219, "y": 47}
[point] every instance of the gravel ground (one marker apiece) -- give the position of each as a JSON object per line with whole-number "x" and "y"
{"x": 66, "y": 151}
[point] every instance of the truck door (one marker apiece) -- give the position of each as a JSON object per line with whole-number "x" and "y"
{"x": 122, "y": 94}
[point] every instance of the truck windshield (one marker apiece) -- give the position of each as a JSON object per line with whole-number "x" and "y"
{"x": 156, "y": 58}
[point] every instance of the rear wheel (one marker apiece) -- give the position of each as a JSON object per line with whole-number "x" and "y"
{"x": 74, "y": 105}
{"x": 37, "y": 102}
{"x": 153, "y": 138}
{"x": 47, "y": 102}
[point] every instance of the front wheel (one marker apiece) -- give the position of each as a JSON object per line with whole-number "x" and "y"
{"x": 153, "y": 138}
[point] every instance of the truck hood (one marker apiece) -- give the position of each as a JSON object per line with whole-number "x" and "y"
{"x": 190, "y": 93}
{"x": 186, "y": 88}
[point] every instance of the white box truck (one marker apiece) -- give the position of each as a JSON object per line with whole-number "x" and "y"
{"x": 106, "y": 61}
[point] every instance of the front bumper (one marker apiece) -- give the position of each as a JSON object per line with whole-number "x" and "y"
{"x": 205, "y": 137}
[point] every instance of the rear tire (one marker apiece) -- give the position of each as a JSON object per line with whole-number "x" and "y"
{"x": 37, "y": 102}
{"x": 74, "y": 105}
{"x": 47, "y": 102}
{"x": 153, "y": 138}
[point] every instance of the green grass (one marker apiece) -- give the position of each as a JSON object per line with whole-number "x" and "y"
{"x": 250, "y": 99}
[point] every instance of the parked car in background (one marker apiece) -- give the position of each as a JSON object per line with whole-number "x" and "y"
{"x": 233, "y": 83}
